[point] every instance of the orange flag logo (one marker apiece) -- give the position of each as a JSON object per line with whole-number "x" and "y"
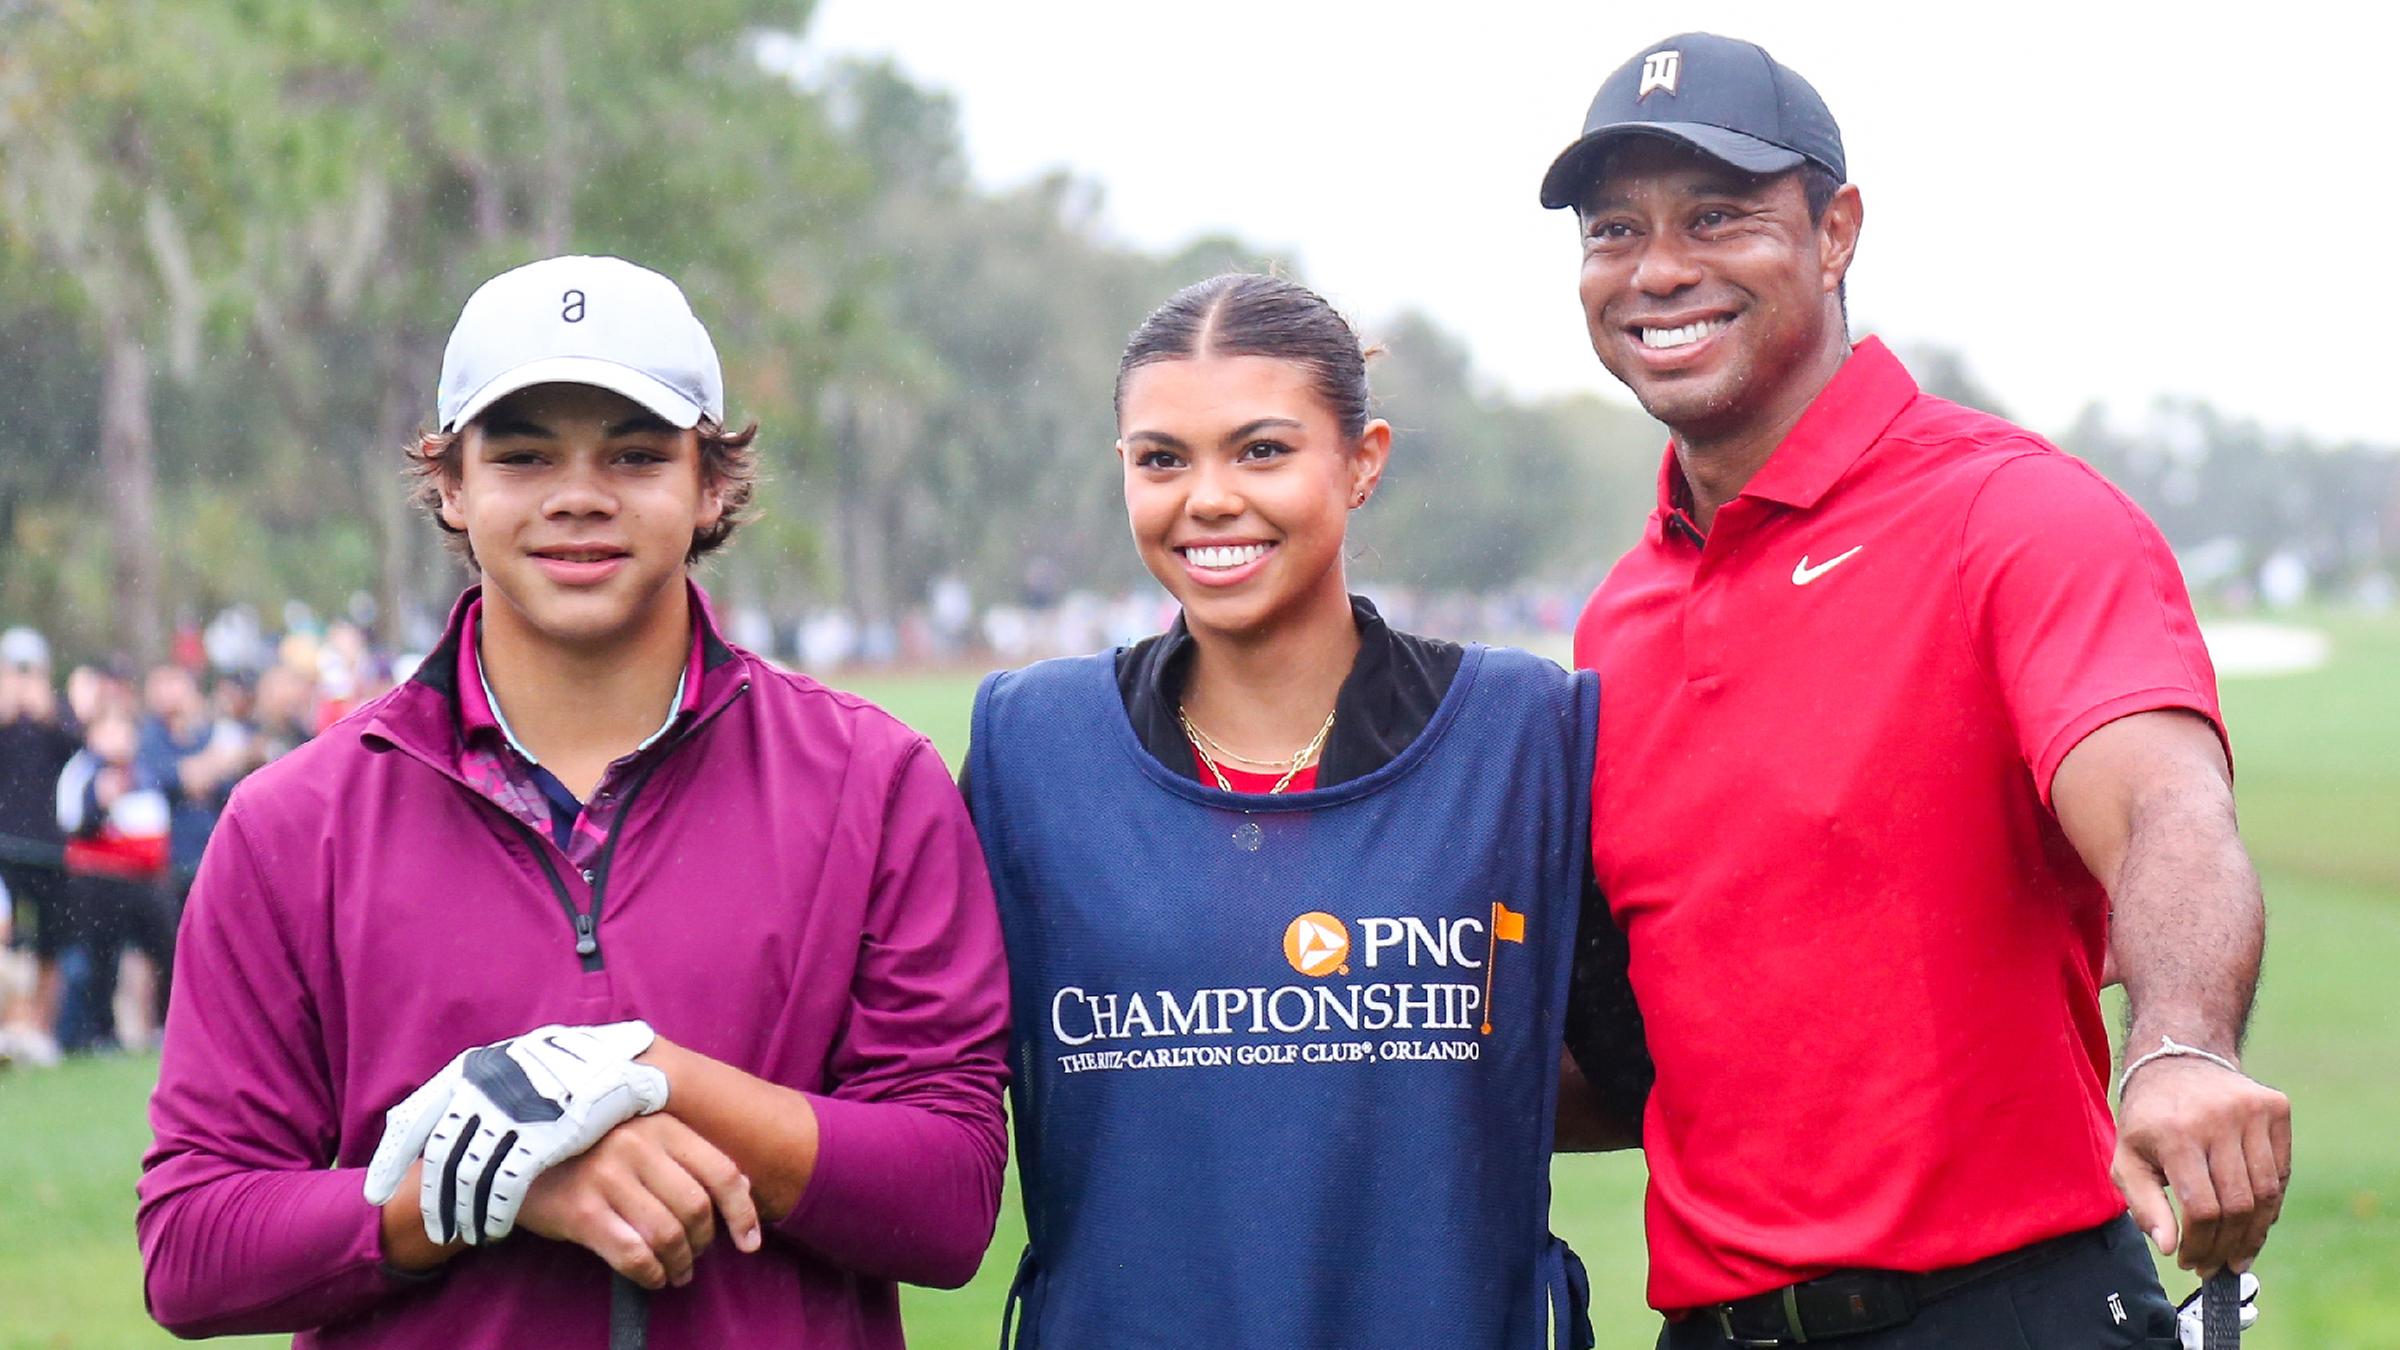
{"x": 1508, "y": 925}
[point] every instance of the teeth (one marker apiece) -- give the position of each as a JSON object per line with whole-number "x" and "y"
{"x": 1658, "y": 338}
{"x": 1235, "y": 555}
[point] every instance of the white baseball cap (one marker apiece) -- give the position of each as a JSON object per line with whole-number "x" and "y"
{"x": 582, "y": 320}
{"x": 23, "y": 646}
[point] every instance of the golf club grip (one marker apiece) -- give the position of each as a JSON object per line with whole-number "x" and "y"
{"x": 2221, "y": 1311}
{"x": 629, "y": 1315}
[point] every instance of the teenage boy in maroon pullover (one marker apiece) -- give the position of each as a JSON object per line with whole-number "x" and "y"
{"x": 632, "y": 935}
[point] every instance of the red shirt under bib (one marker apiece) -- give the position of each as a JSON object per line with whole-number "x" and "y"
{"x": 1245, "y": 781}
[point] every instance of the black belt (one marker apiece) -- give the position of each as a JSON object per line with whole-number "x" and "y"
{"x": 1855, "y": 1302}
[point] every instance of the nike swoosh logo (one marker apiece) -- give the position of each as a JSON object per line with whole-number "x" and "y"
{"x": 1804, "y": 574}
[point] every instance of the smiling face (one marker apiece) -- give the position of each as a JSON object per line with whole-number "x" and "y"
{"x": 1709, "y": 292}
{"x": 1238, "y": 486}
{"x": 580, "y": 506}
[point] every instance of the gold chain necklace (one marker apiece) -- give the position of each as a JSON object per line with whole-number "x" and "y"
{"x": 1218, "y": 750}
{"x": 1201, "y": 741}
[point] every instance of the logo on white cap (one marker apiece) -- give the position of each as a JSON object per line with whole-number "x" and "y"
{"x": 1659, "y": 71}
{"x": 581, "y": 320}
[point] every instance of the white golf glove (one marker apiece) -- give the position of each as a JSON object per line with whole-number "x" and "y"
{"x": 500, "y": 1115}
{"x": 2187, "y": 1313}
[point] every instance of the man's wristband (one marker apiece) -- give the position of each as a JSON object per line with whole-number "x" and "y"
{"x": 2169, "y": 1048}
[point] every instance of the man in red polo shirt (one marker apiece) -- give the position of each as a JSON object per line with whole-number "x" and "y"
{"x": 1909, "y": 728}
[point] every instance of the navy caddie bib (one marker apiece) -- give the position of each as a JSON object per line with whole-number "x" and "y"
{"x": 1286, "y": 1066}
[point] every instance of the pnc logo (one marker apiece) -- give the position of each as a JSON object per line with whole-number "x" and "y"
{"x": 1317, "y": 943}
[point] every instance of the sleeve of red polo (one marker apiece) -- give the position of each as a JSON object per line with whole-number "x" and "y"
{"x": 2078, "y": 608}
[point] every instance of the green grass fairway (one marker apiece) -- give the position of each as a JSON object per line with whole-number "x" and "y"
{"x": 2320, "y": 793}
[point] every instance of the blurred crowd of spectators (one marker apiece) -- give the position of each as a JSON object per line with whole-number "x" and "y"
{"x": 110, "y": 781}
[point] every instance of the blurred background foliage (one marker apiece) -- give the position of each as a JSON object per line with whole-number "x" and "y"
{"x": 233, "y": 237}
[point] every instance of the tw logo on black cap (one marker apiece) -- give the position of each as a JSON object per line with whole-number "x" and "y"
{"x": 1745, "y": 109}
{"x": 1660, "y": 70}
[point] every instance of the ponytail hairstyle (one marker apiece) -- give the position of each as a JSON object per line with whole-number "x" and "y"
{"x": 1247, "y": 314}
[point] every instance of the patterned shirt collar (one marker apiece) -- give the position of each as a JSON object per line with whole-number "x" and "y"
{"x": 494, "y": 763}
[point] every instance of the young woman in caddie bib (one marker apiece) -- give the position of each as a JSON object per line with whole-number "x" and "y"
{"x": 1290, "y": 900}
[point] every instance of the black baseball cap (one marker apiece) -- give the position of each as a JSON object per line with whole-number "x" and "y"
{"x": 1722, "y": 96}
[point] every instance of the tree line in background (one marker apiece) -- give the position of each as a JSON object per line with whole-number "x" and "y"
{"x": 233, "y": 238}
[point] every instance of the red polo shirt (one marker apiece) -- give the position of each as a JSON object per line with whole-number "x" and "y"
{"x": 1867, "y": 957}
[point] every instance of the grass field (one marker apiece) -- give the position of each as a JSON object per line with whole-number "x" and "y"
{"x": 2320, "y": 793}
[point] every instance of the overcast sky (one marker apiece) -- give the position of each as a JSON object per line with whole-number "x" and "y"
{"x": 2095, "y": 201}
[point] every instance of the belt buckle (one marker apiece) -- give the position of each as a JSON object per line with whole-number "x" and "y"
{"x": 1725, "y": 1327}
{"x": 1792, "y": 1334}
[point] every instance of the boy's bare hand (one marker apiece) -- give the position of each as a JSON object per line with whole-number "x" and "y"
{"x": 645, "y": 1199}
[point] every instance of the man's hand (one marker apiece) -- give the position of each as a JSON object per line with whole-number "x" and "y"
{"x": 498, "y": 1116}
{"x": 645, "y": 1199}
{"x": 2222, "y": 1142}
